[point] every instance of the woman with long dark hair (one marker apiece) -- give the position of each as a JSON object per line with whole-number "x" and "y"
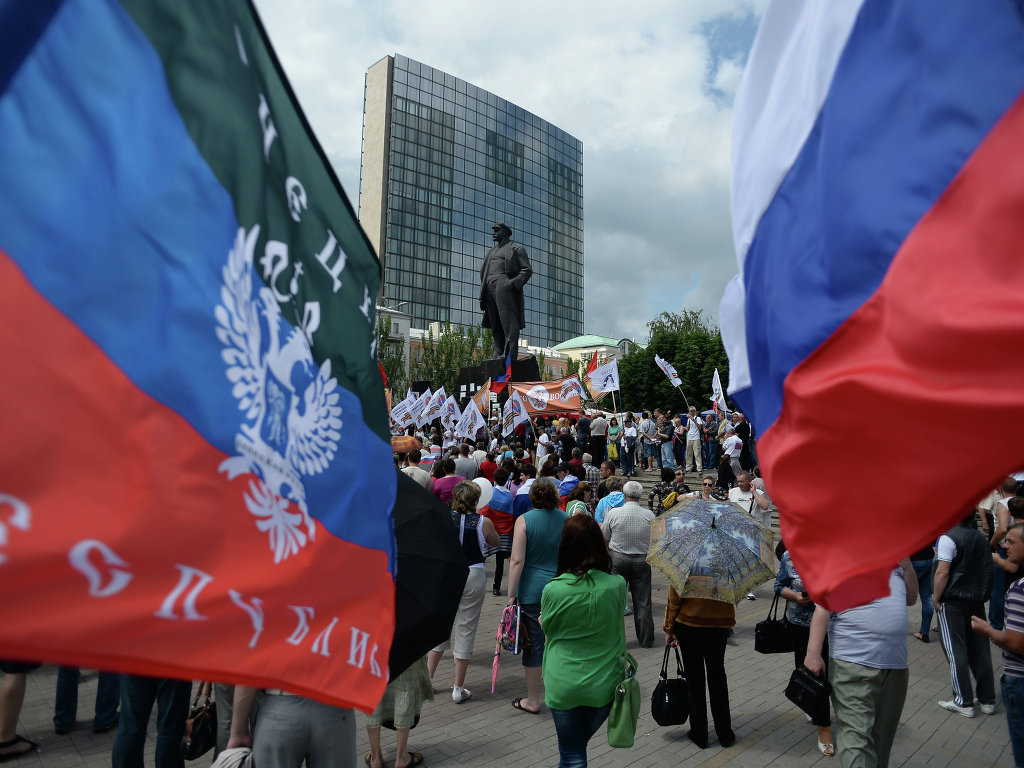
{"x": 582, "y": 613}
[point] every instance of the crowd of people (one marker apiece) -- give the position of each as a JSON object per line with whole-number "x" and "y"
{"x": 560, "y": 503}
{"x": 863, "y": 651}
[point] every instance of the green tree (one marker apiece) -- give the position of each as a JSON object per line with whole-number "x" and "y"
{"x": 573, "y": 368}
{"x": 440, "y": 359}
{"x": 392, "y": 358}
{"x": 541, "y": 358}
{"x": 693, "y": 345}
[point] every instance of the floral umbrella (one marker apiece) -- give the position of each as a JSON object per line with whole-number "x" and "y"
{"x": 711, "y": 549}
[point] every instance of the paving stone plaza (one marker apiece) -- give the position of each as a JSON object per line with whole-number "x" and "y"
{"x": 487, "y": 731}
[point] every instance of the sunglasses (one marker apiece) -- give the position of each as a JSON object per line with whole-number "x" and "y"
{"x": 708, "y": 485}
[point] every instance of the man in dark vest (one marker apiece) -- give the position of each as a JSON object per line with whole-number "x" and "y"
{"x": 505, "y": 272}
{"x": 962, "y": 584}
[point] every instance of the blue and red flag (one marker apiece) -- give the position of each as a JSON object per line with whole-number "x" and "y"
{"x": 194, "y": 442}
{"x": 874, "y": 328}
{"x": 499, "y": 381}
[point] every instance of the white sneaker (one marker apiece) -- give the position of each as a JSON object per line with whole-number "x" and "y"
{"x": 751, "y": 596}
{"x": 460, "y": 695}
{"x": 952, "y": 706}
{"x": 988, "y": 709}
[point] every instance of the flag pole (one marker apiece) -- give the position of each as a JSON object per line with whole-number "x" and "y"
{"x": 680, "y": 388}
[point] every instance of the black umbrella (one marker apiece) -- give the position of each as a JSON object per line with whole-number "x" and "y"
{"x": 432, "y": 573}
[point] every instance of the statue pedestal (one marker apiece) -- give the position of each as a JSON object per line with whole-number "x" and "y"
{"x": 472, "y": 377}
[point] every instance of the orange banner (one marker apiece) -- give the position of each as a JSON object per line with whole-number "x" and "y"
{"x": 482, "y": 398}
{"x": 546, "y": 398}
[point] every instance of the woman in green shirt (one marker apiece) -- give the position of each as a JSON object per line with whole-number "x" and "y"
{"x": 581, "y": 612}
{"x": 614, "y": 432}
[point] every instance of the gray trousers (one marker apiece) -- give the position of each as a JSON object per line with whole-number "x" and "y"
{"x": 290, "y": 729}
{"x": 224, "y": 695}
{"x": 968, "y": 652}
{"x": 637, "y": 573}
{"x": 868, "y": 703}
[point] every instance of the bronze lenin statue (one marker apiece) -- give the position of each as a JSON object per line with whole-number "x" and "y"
{"x": 505, "y": 272}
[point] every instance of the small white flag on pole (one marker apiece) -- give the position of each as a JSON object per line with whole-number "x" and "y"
{"x": 519, "y": 414}
{"x": 668, "y": 369}
{"x": 433, "y": 408}
{"x": 718, "y": 396}
{"x": 420, "y": 405}
{"x": 450, "y": 413}
{"x": 470, "y": 422}
{"x": 400, "y": 414}
{"x": 605, "y": 378}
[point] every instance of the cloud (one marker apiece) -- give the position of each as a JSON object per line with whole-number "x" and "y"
{"x": 647, "y": 87}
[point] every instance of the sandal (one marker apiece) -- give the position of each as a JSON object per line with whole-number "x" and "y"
{"x": 518, "y": 704}
{"x": 921, "y": 637}
{"x": 416, "y": 758}
{"x": 5, "y": 756}
{"x": 828, "y": 750}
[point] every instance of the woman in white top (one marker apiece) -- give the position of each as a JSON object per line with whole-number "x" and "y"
{"x": 475, "y": 534}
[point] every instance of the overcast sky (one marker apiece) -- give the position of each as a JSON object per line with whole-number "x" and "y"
{"x": 647, "y": 87}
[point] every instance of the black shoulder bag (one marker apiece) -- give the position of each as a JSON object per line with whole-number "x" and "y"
{"x": 670, "y": 702}
{"x": 772, "y": 634}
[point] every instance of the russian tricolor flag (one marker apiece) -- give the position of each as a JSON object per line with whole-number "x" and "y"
{"x": 504, "y": 378}
{"x": 195, "y": 472}
{"x": 874, "y": 329}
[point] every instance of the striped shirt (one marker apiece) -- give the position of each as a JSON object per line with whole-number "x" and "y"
{"x": 1013, "y": 663}
{"x": 627, "y": 529}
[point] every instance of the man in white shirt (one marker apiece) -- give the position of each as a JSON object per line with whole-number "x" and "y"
{"x": 543, "y": 448}
{"x": 867, "y": 668}
{"x": 479, "y": 454}
{"x": 597, "y": 442}
{"x": 412, "y": 469}
{"x": 753, "y": 500}
{"x": 694, "y": 425}
{"x": 733, "y": 447}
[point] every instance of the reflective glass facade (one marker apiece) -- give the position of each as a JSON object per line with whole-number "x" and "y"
{"x": 447, "y": 161}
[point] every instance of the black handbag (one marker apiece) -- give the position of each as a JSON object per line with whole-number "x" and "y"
{"x": 670, "y": 702}
{"x": 772, "y": 634}
{"x": 809, "y": 692}
{"x": 200, "y": 726}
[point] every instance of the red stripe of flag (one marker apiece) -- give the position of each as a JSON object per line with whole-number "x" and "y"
{"x": 182, "y": 538}
{"x": 937, "y": 347}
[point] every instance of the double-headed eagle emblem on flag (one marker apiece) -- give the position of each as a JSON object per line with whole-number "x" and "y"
{"x": 292, "y": 414}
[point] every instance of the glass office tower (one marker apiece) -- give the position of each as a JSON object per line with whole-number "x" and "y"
{"x": 442, "y": 162}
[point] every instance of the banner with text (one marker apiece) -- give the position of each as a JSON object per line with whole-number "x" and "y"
{"x": 546, "y": 398}
{"x": 195, "y": 472}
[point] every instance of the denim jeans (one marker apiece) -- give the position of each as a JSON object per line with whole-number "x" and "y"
{"x": 923, "y": 570}
{"x": 628, "y": 458}
{"x": 667, "y": 459}
{"x": 574, "y": 728}
{"x": 1013, "y": 702}
{"x": 137, "y": 697}
{"x": 530, "y": 622}
{"x": 108, "y": 694}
